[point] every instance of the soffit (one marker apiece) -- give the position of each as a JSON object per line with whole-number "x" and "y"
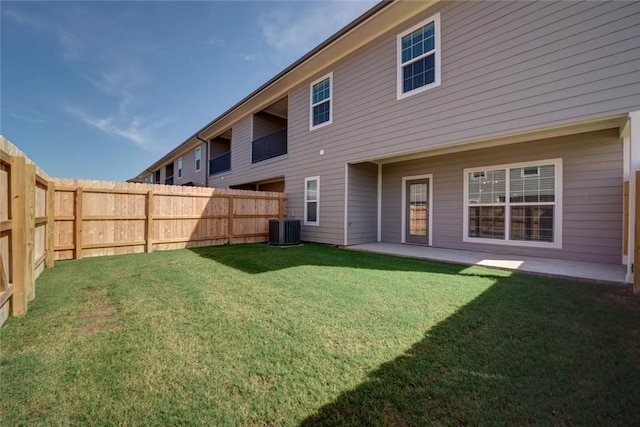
{"x": 610, "y": 122}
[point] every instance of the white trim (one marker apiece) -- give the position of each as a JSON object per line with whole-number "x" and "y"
{"x": 403, "y": 237}
{"x": 317, "y": 221}
{"x": 199, "y": 149}
{"x": 634, "y": 165}
{"x": 626, "y": 163}
{"x": 346, "y": 205}
{"x": 436, "y": 50}
{"x": 379, "y": 238}
{"x": 557, "y": 222}
{"x": 179, "y": 167}
{"x": 330, "y": 99}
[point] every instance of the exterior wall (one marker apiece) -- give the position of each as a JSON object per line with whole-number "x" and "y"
{"x": 362, "y": 217}
{"x": 219, "y": 147}
{"x": 265, "y": 124}
{"x": 592, "y": 195}
{"x": 507, "y": 67}
{"x": 189, "y": 173}
{"x": 582, "y": 61}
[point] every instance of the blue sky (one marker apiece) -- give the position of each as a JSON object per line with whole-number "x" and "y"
{"x": 101, "y": 90}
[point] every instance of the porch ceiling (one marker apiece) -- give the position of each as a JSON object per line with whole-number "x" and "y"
{"x": 610, "y": 122}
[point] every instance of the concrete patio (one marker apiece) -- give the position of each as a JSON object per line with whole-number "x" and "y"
{"x": 594, "y": 272}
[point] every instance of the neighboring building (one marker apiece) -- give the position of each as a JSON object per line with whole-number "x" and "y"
{"x": 507, "y": 127}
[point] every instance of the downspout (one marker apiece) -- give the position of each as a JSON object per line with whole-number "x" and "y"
{"x": 206, "y": 167}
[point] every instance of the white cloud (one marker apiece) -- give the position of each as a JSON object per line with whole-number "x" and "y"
{"x": 293, "y": 30}
{"x": 250, "y": 57}
{"x": 28, "y": 118}
{"x": 136, "y": 129}
{"x": 215, "y": 41}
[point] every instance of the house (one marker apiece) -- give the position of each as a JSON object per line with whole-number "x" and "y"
{"x": 509, "y": 127}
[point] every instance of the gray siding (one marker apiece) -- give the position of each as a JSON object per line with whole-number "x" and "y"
{"x": 362, "y": 216}
{"x": 242, "y": 170}
{"x": 507, "y": 67}
{"x": 265, "y": 124}
{"x": 219, "y": 146}
{"x": 592, "y": 195}
{"x": 189, "y": 173}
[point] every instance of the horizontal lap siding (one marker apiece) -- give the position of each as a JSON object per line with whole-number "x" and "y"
{"x": 266, "y": 124}
{"x": 189, "y": 173}
{"x": 507, "y": 67}
{"x": 592, "y": 194}
{"x": 362, "y": 221}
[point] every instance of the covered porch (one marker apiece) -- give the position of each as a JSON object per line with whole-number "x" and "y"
{"x": 581, "y": 227}
{"x": 579, "y": 270}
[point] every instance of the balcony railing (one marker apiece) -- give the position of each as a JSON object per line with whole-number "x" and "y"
{"x": 221, "y": 163}
{"x": 270, "y": 146}
{"x": 169, "y": 180}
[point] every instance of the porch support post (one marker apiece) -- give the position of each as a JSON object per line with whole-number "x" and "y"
{"x": 346, "y": 204}
{"x": 632, "y": 134}
{"x": 379, "y": 202}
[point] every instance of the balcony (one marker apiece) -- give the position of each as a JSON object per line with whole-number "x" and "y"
{"x": 221, "y": 163}
{"x": 169, "y": 180}
{"x": 269, "y": 146}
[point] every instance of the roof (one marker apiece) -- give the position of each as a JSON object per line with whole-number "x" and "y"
{"x": 328, "y": 51}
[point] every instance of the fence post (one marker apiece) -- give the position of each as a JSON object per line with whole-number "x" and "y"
{"x": 281, "y": 207}
{"x": 30, "y": 230}
{"x": 149, "y": 223}
{"x": 77, "y": 234}
{"x": 230, "y": 220}
{"x": 18, "y": 244}
{"x": 636, "y": 252}
{"x": 51, "y": 207}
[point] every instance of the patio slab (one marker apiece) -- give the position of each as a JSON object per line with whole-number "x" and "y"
{"x": 589, "y": 271}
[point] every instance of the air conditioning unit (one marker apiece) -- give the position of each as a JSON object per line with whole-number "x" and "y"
{"x": 284, "y": 232}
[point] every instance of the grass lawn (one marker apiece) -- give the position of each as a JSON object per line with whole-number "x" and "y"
{"x": 313, "y": 335}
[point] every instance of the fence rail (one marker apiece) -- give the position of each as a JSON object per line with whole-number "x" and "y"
{"x": 26, "y": 228}
{"x": 43, "y": 219}
{"x": 94, "y": 218}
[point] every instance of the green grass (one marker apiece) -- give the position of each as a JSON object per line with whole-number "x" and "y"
{"x": 312, "y": 335}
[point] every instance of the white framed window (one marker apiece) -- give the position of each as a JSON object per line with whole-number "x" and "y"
{"x": 312, "y": 201}
{"x": 517, "y": 204}
{"x": 180, "y": 167}
{"x": 419, "y": 57}
{"x": 198, "y": 158}
{"x": 321, "y": 95}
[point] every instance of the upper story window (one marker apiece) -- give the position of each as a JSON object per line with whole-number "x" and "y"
{"x": 321, "y": 102}
{"x": 419, "y": 57}
{"x": 198, "y": 158}
{"x": 180, "y": 167}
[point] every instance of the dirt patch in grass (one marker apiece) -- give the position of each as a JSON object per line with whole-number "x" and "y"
{"x": 98, "y": 313}
{"x": 618, "y": 296}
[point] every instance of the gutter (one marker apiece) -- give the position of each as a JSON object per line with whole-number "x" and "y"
{"x": 362, "y": 18}
{"x": 206, "y": 168}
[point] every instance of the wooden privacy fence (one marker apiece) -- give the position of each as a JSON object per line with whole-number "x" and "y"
{"x": 97, "y": 218}
{"x": 44, "y": 219}
{"x": 26, "y": 228}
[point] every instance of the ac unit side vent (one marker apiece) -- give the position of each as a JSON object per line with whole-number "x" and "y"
{"x": 284, "y": 232}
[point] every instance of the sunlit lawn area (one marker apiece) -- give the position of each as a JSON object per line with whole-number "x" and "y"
{"x": 313, "y": 335}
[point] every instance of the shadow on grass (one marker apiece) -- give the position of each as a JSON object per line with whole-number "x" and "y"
{"x": 517, "y": 354}
{"x": 256, "y": 258}
{"x": 529, "y": 350}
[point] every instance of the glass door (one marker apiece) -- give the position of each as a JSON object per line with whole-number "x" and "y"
{"x": 417, "y": 230}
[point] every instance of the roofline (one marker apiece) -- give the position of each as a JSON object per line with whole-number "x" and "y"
{"x": 349, "y": 27}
